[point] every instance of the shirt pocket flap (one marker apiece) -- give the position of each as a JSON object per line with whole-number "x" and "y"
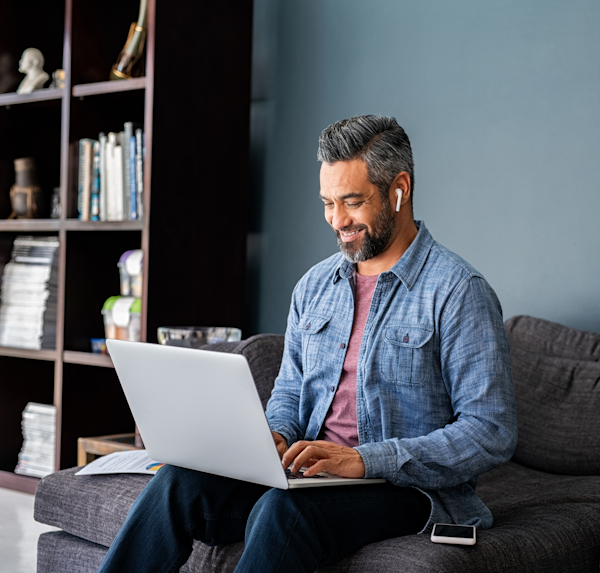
{"x": 312, "y": 323}
{"x": 408, "y": 336}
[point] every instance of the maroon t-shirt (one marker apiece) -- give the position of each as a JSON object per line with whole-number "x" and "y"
{"x": 340, "y": 424}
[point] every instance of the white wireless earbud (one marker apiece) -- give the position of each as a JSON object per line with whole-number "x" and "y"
{"x": 399, "y": 193}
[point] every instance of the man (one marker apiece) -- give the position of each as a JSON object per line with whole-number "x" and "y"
{"x": 396, "y": 365}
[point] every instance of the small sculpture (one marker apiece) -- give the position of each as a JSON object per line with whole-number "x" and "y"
{"x": 32, "y": 64}
{"x": 25, "y": 194}
{"x": 58, "y": 80}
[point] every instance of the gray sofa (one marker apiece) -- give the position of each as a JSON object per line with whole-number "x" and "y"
{"x": 546, "y": 501}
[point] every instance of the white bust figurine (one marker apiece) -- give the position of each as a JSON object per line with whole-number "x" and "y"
{"x": 32, "y": 64}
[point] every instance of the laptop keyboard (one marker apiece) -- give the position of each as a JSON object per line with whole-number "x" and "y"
{"x": 300, "y": 475}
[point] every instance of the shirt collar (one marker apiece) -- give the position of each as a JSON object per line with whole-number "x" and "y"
{"x": 408, "y": 267}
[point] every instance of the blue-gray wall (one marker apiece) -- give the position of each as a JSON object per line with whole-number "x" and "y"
{"x": 501, "y": 100}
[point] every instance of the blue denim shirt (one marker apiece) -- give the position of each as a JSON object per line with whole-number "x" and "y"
{"x": 434, "y": 397}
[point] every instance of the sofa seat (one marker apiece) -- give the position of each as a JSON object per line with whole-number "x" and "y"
{"x": 534, "y": 514}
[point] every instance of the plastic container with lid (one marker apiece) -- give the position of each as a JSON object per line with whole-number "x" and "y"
{"x": 123, "y": 318}
{"x": 130, "y": 268}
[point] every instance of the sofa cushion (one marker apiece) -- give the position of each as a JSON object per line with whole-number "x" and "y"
{"x": 551, "y": 339}
{"x": 264, "y": 353}
{"x": 542, "y": 522}
{"x": 558, "y": 405}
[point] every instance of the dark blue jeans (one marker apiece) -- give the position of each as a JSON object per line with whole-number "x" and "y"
{"x": 296, "y": 530}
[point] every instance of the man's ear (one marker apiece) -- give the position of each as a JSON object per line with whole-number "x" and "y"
{"x": 401, "y": 182}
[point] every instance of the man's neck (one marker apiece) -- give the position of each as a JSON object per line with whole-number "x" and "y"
{"x": 397, "y": 247}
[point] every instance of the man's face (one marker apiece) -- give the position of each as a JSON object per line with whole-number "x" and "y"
{"x": 362, "y": 222}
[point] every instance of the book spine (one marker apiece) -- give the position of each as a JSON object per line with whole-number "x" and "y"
{"x": 80, "y": 180}
{"x": 132, "y": 180}
{"x": 118, "y": 177}
{"x": 87, "y": 180}
{"x": 124, "y": 188}
{"x": 95, "y": 206}
{"x": 102, "y": 198}
{"x": 127, "y": 172}
{"x": 139, "y": 170}
{"x": 110, "y": 177}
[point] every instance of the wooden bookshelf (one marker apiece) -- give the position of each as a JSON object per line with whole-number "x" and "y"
{"x": 87, "y": 358}
{"x": 97, "y": 88}
{"x": 40, "y": 95}
{"x": 196, "y": 125}
{"x": 29, "y": 354}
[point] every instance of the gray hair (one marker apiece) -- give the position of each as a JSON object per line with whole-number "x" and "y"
{"x": 379, "y": 141}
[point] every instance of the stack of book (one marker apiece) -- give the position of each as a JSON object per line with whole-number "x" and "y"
{"x": 111, "y": 176}
{"x": 28, "y": 294}
{"x": 39, "y": 439}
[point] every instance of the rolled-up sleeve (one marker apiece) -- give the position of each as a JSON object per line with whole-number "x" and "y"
{"x": 283, "y": 408}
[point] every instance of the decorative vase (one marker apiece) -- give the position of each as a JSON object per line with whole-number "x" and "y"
{"x": 26, "y": 193}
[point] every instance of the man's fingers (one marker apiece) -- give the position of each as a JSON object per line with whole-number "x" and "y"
{"x": 292, "y": 452}
{"x": 308, "y": 453}
{"x": 318, "y": 467}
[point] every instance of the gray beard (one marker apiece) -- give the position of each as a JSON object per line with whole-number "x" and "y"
{"x": 372, "y": 245}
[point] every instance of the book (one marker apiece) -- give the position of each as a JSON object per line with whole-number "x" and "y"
{"x": 102, "y": 197}
{"x": 124, "y": 145}
{"x": 28, "y": 294}
{"x": 111, "y": 174}
{"x": 139, "y": 170}
{"x": 37, "y": 455}
{"x": 80, "y": 178}
{"x": 87, "y": 180}
{"x": 133, "y": 215}
{"x": 95, "y": 203}
{"x": 128, "y": 173}
{"x": 111, "y": 200}
{"x": 119, "y": 196}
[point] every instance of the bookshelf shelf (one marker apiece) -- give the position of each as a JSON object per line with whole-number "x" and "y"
{"x": 188, "y": 119}
{"x": 29, "y": 225}
{"x": 87, "y": 359}
{"x": 98, "y": 88}
{"x": 77, "y": 225}
{"x": 10, "y": 480}
{"x": 25, "y": 353}
{"x": 38, "y": 95}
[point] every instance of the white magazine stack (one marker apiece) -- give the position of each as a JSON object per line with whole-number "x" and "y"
{"x": 28, "y": 294}
{"x": 39, "y": 440}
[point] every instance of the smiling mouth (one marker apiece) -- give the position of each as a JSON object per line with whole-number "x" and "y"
{"x": 348, "y": 236}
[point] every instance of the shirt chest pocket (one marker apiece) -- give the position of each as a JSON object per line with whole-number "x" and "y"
{"x": 407, "y": 354}
{"x": 313, "y": 329}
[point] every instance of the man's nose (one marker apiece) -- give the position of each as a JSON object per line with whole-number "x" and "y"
{"x": 340, "y": 218}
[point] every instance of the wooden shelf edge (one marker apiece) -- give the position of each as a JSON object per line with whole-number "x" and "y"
{"x": 87, "y": 359}
{"x": 108, "y": 87}
{"x": 77, "y": 225}
{"x": 49, "y": 355}
{"x": 25, "y": 484}
{"x": 29, "y": 225}
{"x": 37, "y": 95}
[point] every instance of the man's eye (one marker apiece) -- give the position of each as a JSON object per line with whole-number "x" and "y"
{"x": 353, "y": 205}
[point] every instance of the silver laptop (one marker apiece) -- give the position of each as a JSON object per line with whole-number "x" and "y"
{"x": 200, "y": 410}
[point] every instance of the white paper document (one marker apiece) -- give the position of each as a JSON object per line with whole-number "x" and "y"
{"x": 129, "y": 462}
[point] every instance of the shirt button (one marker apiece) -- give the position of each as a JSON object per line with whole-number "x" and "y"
{"x": 307, "y": 327}
{"x": 333, "y": 388}
{"x": 406, "y": 338}
{"x": 342, "y": 345}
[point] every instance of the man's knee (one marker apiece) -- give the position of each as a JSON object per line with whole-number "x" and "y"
{"x": 277, "y": 507}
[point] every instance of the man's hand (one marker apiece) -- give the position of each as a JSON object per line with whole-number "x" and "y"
{"x": 322, "y": 456}
{"x": 280, "y": 443}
